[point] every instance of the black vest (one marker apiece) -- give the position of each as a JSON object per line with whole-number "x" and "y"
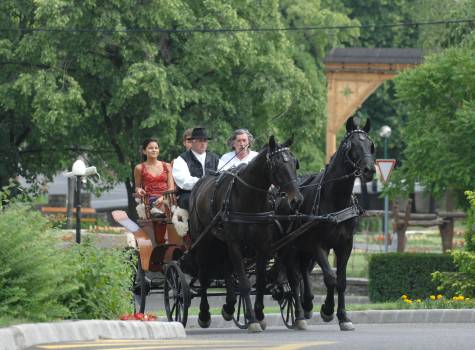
{"x": 194, "y": 165}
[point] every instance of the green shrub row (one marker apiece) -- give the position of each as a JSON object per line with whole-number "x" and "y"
{"x": 394, "y": 274}
{"x": 39, "y": 280}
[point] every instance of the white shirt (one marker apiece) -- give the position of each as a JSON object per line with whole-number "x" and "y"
{"x": 181, "y": 173}
{"x": 229, "y": 160}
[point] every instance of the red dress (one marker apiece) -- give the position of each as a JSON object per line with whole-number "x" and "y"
{"x": 155, "y": 185}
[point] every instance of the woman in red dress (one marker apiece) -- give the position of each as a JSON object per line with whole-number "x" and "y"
{"x": 152, "y": 178}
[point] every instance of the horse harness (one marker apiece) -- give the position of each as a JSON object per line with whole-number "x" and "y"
{"x": 225, "y": 215}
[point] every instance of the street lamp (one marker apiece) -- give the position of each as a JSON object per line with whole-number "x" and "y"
{"x": 385, "y": 132}
{"x": 79, "y": 170}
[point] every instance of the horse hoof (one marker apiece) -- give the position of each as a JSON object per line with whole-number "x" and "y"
{"x": 300, "y": 325}
{"x": 326, "y": 318}
{"x": 263, "y": 324}
{"x": 347, "y": 326}
{"x": 308, "y": 314}
{"x": 226, "y": 316}
{"x": 254, "y": 328}
{"x": 204, "y": 324}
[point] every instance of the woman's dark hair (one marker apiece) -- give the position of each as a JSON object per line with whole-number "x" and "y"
{"x": 145, "y": 144}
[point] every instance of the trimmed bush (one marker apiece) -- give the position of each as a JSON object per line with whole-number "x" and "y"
{"x": 104, "y": 279}
{"x": 41, "y": 281}
{"x": 394, "y": 274}
{"x": 34, "y": 274}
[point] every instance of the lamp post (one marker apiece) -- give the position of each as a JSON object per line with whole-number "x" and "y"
{"x": 385, "y": 132}
{"x": 79, "y": 170}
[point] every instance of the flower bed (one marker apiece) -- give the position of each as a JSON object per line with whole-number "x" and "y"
{"x": 437, "y": 302}
{"x": 139, "y": 317}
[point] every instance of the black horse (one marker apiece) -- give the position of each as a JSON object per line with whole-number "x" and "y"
{"x": 329, "y": 191}
{"x": 231, "y": 207}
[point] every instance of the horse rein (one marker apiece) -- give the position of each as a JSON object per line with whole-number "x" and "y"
{"x": 269, "y": 157}
{"x": 346, "y": 145}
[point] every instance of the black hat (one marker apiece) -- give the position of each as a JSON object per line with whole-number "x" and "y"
{"x": 199, "y": 133}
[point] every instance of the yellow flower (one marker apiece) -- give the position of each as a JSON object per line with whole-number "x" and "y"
{"x": 408, "y": 301}
{"x": 461, "y": 297}
{"x": 419, "y": 300}
{"x": 432, "y": 297}
{"x": 439, "y": 296}
{"x": 455, "y": 298}
{"x": 404, "y": 297}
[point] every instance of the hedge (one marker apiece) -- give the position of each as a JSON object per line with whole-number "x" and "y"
{"x": 394, "y": 274}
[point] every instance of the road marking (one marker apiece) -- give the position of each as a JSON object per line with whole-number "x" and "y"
{"x": 117, "y": 344}
{"x": 296, "y": 346}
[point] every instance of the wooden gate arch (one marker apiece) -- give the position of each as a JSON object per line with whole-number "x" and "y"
{"x": 353, "y": 74}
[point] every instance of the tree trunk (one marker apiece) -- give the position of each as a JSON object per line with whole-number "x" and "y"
{"x": 446, "y": 230}
{"x": 400, "y": 224}
{"x": 447, "y": 234}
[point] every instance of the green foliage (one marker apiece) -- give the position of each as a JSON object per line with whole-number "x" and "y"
{"x": 440, "y": 99}
{"x": 370, "y": 224}
{"x": 35, "y": 274}
{"x": 463, "y": 280}
{"x": 100, "y": 93}
{"x": 104, "y": 278}
{"x": 449, "y": 35}
{"x": 470, "y": 230}
{"x": 392, "y": 275}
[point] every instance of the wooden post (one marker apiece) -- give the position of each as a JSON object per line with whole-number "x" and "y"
{"x": 400, "y": 225}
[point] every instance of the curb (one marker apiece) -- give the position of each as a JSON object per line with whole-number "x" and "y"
{"x": 362, "y": 317}
{"x": 25, "y": 335}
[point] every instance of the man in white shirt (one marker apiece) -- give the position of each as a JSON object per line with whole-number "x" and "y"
{"x": 240, "y": 142}
{"x": 192, "y": 164}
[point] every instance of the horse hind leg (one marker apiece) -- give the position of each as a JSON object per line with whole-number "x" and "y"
{"x": 329, "y": 278}
{"x": 244, "y": 286}
{"x": 260, "y": 287}
{"x": 227, "y": 311}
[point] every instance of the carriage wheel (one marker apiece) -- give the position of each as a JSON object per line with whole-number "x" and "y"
{"x": 287, "y": 310}
{"x": 176, "y": 294}
{"x": 240, "y": 319}
{"x": 142, "y": 287}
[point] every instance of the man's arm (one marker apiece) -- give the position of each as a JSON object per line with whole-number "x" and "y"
{"x": 182, "y": 176}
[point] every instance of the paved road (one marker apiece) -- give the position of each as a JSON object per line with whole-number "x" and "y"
{"x": 327, "y": 337}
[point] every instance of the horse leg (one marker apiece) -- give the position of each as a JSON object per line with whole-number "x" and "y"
{"x": 260, "y": 287}
{"x": 204, "y": 317}
{"x": 244, "y": 285}
{"x": 342, "y": 256}
{"x": 227, "y": 311}
{"x": 329, "y": 278}
{"x": 306, "y": 267}
{"x": 293, "y": 276}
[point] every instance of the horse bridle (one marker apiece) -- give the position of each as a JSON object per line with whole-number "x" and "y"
{"x": 346, "y": 146}
{"x": 270, "y": 163}
{"x": 355, "y": 165}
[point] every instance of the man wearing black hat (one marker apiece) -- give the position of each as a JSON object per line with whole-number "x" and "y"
{"x": 191, "y": 165}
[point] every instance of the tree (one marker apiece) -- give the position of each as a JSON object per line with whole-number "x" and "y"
{"x": 101, "y": 81}
{"x": 440, "y": 99}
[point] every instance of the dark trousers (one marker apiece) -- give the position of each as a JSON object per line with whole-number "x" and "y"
{"x": 183, "y": 200}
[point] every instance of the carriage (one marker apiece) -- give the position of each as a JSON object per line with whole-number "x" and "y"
{"x": 187, "y": 272}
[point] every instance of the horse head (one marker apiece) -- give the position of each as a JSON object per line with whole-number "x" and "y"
{"x": 358, "y": 150}
{"x": 282, "y": 167}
